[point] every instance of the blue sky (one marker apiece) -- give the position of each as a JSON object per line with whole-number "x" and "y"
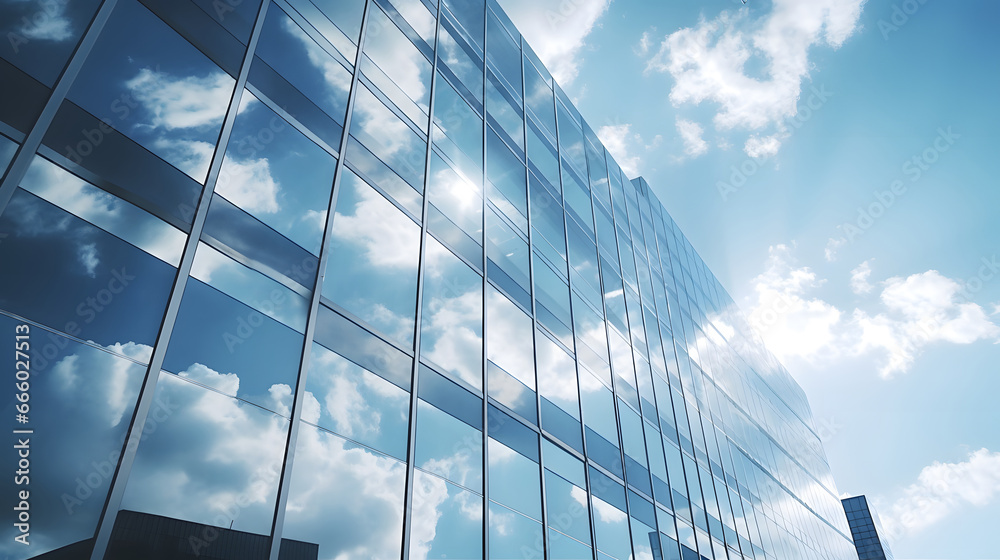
{"x": 831, "y": 161}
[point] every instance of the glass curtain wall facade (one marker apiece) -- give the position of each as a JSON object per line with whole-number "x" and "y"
{"x": 354, "y": 279}
{"x": 866, "y": 529}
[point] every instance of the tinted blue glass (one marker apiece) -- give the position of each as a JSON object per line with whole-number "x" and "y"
{"x": 504, "y": 54}
{"x": 457, "y": 59}
{"x": 559, "y": 461}
{"x": 470, "y": 18}
{"x": 256, "y": 358}
{"x": 504, "y": 113}
{"x": 562, "y": 547}
{"x": 515, "y": 480}
{"x": 538, "y": 99}
{"x": 507, "y": 180}
{"x": 512, "y": 433}
{"x": 448, "y": 396}
{"x": 514, "y": 536}
{"x": 397, "y": 68}
{"x": 449, "y": 447}
{"x": 458, "y": 131}
{"x": 81, "y": 401}
{"x": 346, "y": 338}
{"x": 452, "y": 315}
{"x": 507, "y": 249}
{"x": 7, "y": 150}
{"x": 389, "y": 138}
{"x": 81, "y": 280}
{"x": 226, "y": 470}
{"x": 345, "y": 498}
{"x": 552, "y": 299}
{"x": 509, "y": 338}
{"x": 611, "y": 530}
{"x": 40, "y": 37}
{"x": 459, "y": 199}
{"x": 567, "y": 508}
{"x": 347, "y": 399}
{"x": 374, "y": 252}
{"x": 302, "y": 77}
{"x": 542, "y": 156}
{"x": 276, "y": 174}
{"x": 171, "y": 105}
{"x": 451, "y": 520}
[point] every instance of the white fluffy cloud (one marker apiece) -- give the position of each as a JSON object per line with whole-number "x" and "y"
{"x": 859, "y": 278}
{"x": 617, "y": 138}
{"x": 556, "y": 30}
{"x": 912, "y": 313}
{"x": 691, "y": 133}
{"x": 708, "y": 62}
{"x": 186, "y": 102}
{"x": 940, "y": 490}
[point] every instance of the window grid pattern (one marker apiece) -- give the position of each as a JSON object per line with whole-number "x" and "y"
{"x": 640, "y": 402}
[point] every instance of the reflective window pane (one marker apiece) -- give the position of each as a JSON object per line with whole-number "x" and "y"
{"x": 276, "y": 174}
{"x": 515, "y": 480}
{"x": 448, "y": 521}
{"x": 514, "y": 536}
{"x": 374, "y": 251}
{"x": 345, "y": 499}
{"x": 452, "y": 315}
{"x": 448, "y": 447}
{"x": 397, "y": 67}
{"x": 82, "y": 399}
{"x": 156, "y": 88}
{"x": 388, "y": 138}
{"x": 509, "y": 341}
{"x": 224, "y": 476}
{"x": 40, "y": 37}
{"x": 349, "y": 400}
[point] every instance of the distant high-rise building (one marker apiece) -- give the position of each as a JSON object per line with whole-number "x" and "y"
{"x": 866, "y": 530}
{"x": 354, "y": 279}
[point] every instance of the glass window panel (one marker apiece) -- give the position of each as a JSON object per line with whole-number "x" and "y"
{"x": 598, "y": 173}
{"x": 506, "y": 248}
{"x": 583, "y": 257}
{"x": 504, "y": 54}
{"x": 220, "y": 31}
{"x": 388, "y": 138}
{"x": 345, "y": 499}
{"x": 81, "y": 280}
{"x": 376, "y": 172}
{"x": 598, "y": 408}
{"x": 397, "y": 67}
{"x": 448, "y": 447}
{"x": 538, "y": 98}
{"x": 458, "y": 198}
{"x": 339, "y": 22}
{"x": 542, "y": 157}
{"x": 504, "y": 113}
{"x": 250, "y": 287}
{"x": 276, "y": 174}
{"x": 566, "y": 505}
{"x": 40, "y": 36}
{"x": 458, "y": 131}
{"x": 557, "y": 376}
{"x": 645, "y": 540}
{"x": 591, "y": 331}
{"x": 450, "y": 397}
{"x": 632, "y": 438}
{"x": 164, "y": 93}
{"x": 301, "y": 77}
{"x": 515, "y": 480}
{"x": 226, "y": 472}
{"x": 470, "y": 18}
{"x": 578, "y": 200}
{"x": 562, "y": 463}
{"x": 507, "y": 179}
{"x": 552, "y": 294}
{"x": 460, "y": 60}
{"x": 452, "y": 315}
{"x": 108, "y": 212}
{"x": 611, "y": 529}
{"x": 356, "y": 403}
{"x": 253, "y": 357}
{"x": 82, "y": 399}
{"x": 514, "y": 536}
{"x": 571, "y": 142}
{"x": 621, "y": 360}
{"x": 508, "y": 338}
{"x": 374, "y": 252}
{"x": 562, "y": 547}
{"x": 547, "y": 219}
{"x": 448, "y": 520}
{"x": 512, "y": 433}
{"x": 418, "y": 16}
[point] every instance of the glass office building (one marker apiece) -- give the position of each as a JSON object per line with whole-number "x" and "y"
{"x": 866, "y": 530}
{"x": 353, "y": 279}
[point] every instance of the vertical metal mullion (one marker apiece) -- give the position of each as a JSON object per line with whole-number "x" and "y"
{"x": 569, "y": 287}
{"x": 122, "y": 471}
{"x": 415, "y": 372}
{"x": 531, "y": 295}
{"x": 284, "y": 484}
{"x": 26, "y": 150}
{"x": 486, "y": 377}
